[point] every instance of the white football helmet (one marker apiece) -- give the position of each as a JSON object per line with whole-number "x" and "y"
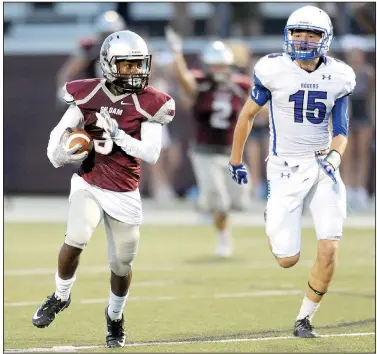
{"x": 217, "y": 53}
{"x": 109, "y": 22}
{"x": 309, "y": 18}
{"x": 129, "y": 46}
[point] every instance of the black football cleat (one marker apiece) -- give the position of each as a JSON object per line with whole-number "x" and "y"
{"x": 304, "y": 329}
{"x": 116, "y": 335}
{"x": 46, "y": 313}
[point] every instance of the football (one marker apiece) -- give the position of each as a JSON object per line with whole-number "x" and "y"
{"x": 76, "y": 136}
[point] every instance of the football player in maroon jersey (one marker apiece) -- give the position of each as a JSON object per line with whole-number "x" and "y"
{"x": 124, "y": 116}
{"x": 217, "y": 96}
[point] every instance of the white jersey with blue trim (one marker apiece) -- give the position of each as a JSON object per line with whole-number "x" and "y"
{"x": 301, "y": 103}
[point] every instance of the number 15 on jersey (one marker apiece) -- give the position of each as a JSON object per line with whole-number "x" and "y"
{"x": 315, "y": 110}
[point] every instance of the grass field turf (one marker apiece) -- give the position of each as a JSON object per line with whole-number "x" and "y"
{"x": 182, "y": 293}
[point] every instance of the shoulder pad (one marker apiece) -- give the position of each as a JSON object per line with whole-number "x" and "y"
{"x": 155, "y": 105}
{"x": 350, "y": 79}
{"x": 166, "y": 113}
{"x": 348, "y": 75}
{"x": 80, "y": 90}
{"x": 267, "y": 67}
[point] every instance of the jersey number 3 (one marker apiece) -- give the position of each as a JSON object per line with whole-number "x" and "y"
{"x": 315, "y": 111}
{"x": 103, "y": 147}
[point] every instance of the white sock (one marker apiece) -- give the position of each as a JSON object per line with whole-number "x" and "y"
{"x": 63, "y": 287}
{"x": 116, "y": 306}
{"x": 224, "y": 237}
{"x": 308, "y": 308}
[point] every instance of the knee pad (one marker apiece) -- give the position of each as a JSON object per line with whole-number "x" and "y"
{"x": 83, "y": 217}
{"x": 120, "y": 267}
{"x": 123, "y": 242}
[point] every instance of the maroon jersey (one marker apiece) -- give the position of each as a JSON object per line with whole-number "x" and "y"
{"x": 216, "y": 109}
{"x": 108, "y": 166}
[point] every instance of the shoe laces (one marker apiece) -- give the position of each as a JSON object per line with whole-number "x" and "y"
{"x": 117, "y": 328}
{"x": 52, "y": 303}
{"x": 305, "y": 323}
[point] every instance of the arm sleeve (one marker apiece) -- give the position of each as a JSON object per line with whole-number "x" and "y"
{"x": 73, "y": 117}
{"x": 259, "y": 93}
{"x": 340, "y": 119}
{"x": 148, "y": 148}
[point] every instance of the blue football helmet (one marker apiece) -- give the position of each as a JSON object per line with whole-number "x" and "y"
{"x": 308, "y": 18}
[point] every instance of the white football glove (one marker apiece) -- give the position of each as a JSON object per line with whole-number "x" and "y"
{"x": 174, "y": 39}
{"x": 330, "y": 164}
{"x": 62, "y": 155}
{"x": 108, "y": 124}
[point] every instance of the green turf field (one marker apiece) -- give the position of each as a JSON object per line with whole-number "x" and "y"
{"x": 183, "y": 299}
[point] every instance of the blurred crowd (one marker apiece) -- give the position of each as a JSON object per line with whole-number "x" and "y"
{"x": 163, "y": 181}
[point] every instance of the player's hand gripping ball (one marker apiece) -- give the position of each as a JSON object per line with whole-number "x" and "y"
{"x": 79, "y": 136}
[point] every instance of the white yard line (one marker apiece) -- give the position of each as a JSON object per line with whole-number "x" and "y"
{"x": 233, "y": 340}
{"x": 277, "y": 292}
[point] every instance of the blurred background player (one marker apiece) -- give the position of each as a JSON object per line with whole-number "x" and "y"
{"x": 357, "y": 159}
{"x": 216, "y": 95}
{"x": 85, "y": 60}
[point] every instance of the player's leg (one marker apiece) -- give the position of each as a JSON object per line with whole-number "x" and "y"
{"x": 220, "y": 203}
{"x": 283, "y": 227}
{"x": 283, "y": 211}
{"x": 213, "y": 196}
{"x": 327, "y": 203}
{"x": 83, "y": 217}
{"x": 122, "y": 243}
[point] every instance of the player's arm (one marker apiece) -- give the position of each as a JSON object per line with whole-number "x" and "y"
{"x": 149, "y": 147}
{"x": 259, "y": 95}
{"x": 56, "y": 150}
{"x": 185, "y": 77}
{"x": 340, "y": 123}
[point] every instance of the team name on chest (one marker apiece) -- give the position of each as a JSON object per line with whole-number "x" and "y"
{"x": 113, "y": 110}
{"x": 306, "y": 85}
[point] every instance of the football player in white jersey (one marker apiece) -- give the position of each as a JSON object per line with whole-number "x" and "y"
{"x": 305, "y": 88}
